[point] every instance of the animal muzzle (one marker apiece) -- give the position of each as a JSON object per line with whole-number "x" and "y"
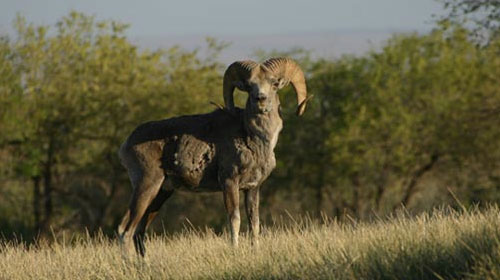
{"x": 262, "y": 105}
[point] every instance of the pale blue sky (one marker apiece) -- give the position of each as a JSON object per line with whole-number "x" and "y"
{"x": 327, "y": 28}
{"x": 224, "y": 17}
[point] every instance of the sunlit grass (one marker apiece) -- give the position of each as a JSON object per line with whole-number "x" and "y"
{"x": 441, "y": 245}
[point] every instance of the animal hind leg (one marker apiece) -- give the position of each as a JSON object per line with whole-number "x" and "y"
{"x": 148, "y": 217}
{"x": 123, "y": 223}
{"x": 146, "y": 187}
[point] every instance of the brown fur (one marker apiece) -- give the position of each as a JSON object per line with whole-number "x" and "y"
{"x": 217, "y": 151}
{"x": 227, "y": 150}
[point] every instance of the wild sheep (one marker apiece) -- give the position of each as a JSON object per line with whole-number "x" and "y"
{"x": 227, "y": 150}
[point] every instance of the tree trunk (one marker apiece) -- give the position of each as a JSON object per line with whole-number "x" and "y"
{"x": 410, "y": 189}
{"x": 322, "y": 155}
{"x": 104, "y": 211}
{"x": 36, "y": 205}
{"x": 320, "y": 184}
{"x": 381, "y": 185}
{"x": 47, "y": 192}
{"x": 356, "y": 187}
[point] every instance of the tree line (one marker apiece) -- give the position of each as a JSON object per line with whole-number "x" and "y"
{"x": 414, "y": 125}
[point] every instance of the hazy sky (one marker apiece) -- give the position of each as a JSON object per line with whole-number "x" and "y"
{"x": 223, "y": 17}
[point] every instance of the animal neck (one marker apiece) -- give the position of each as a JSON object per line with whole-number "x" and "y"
{"x": 264, "y": 127}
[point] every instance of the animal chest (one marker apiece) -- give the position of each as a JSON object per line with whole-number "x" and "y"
{"x": 255, "y": 164}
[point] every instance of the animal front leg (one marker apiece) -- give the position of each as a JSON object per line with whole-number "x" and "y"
{"x": 252, "y": 209}
{"x": 231, "y": 201}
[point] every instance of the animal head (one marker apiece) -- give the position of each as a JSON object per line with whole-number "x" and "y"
{"x": 262, "y": 81}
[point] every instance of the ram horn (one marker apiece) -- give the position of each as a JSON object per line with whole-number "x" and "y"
{"x": 289, "y": 70}
{"x": 236, "y": 74}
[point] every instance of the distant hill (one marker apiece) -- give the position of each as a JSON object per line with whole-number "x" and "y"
{"x": 328, "y": 44}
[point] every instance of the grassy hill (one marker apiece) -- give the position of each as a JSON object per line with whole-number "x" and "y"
{"x": 445, "y": 244}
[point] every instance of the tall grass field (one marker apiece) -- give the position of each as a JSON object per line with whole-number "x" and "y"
{"x": 444, "y": 244}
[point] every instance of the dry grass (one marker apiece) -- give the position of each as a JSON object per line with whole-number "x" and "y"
{"x": 441, "y": 245}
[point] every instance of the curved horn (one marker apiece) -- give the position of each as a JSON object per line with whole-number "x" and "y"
{"x": 237, "y": 72}
{"x": 286, "y": 68}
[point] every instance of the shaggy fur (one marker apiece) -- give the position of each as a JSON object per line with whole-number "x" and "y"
{"x": 225, "y": 150}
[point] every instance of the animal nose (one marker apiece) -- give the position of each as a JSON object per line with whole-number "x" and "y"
{"x": 261, "y": 97}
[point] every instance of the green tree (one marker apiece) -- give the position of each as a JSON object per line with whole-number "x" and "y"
{"x": 70, "y": 98}
{"x": 482, "y": 16}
